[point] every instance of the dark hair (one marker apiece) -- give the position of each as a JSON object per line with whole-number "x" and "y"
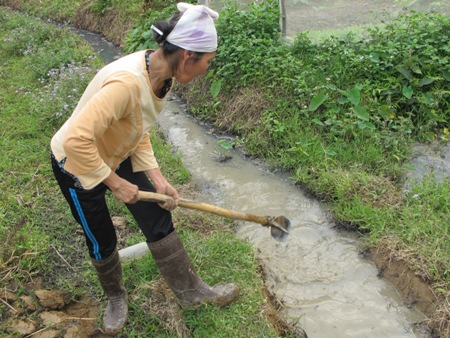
{"x": 166, "y": 27}
{"x": 168, "y": 48}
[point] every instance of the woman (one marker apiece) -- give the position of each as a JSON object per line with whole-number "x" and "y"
{"x": 104, "y": 145}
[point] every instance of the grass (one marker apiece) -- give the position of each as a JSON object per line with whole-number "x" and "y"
{"x": 58, "y": 10}
{"x": 38, "y": 90}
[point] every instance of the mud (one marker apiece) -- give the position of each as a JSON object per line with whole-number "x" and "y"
{"x": 50, "y": 313}
{"x": 112, "y": 26}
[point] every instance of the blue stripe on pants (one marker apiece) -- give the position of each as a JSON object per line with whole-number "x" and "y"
{"x": 85, "y": 225}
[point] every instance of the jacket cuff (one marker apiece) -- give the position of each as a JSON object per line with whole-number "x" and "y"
{"x": 144, "y": 160}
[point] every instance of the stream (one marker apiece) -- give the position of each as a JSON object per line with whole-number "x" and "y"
{"x": 327, "y": 288}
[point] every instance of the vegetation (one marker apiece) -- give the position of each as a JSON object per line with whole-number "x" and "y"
{"x": 340, "y": 114}
{"x": 44, "y": 71}
{"x": 344, "y": 132}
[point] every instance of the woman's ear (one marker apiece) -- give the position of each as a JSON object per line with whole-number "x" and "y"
{"x": 186, "y": 55}
{"x": 182, "y": 58}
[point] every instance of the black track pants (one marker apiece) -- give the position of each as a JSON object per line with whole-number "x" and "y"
{"x": 90, "y": 210}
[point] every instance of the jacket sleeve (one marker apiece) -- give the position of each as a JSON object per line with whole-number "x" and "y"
{"x": 144, "y": 158}
{"x": 114, "y": 101}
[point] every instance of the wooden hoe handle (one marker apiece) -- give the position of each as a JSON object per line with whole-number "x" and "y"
{"x": 212, "y": 209}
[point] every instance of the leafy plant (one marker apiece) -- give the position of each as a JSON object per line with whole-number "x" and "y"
{"x": 141, "y": 36}
{"x": 100, "y": 6}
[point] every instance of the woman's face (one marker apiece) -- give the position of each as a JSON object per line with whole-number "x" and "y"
{"x": 191, "y": 67}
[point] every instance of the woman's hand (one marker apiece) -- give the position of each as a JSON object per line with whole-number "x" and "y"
{"x": 164, "y": 187}
{"x": 122, "y": 190}
{"x": 168, "y": 190}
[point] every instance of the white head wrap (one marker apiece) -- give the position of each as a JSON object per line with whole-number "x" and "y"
{"x": 195, "y": 30}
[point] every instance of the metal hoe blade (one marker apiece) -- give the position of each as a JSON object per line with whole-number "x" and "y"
{"x": 280, "y": 227}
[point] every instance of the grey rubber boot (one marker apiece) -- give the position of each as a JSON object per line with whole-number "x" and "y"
{"x": 176, "y": 268}
{"x": 109, "y": 273}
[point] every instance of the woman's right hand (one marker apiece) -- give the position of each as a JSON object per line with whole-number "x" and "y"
{"x": 122, "y": 190}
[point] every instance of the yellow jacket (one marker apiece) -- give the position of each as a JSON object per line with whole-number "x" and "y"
{"x": 110, "y": 123}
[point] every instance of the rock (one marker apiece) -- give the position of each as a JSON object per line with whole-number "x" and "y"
{"x": 47, "y": 334}
{"x": 428, "y": 159}
{"x": 8, "y": 296}
{"x": 51, "y": 317}
{"x": 29, "y": 302}
{"x": 23, "y": 327}
{"x": 51, "y": 299}
{"x": 72, "y": 332}
{"x": 119, "y": 222}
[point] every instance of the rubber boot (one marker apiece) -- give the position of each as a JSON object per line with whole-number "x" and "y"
{"x": 109, "y": 273}
{"x": 176, "y": 268}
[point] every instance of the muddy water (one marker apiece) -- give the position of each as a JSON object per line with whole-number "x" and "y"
{"x": 317, "y": 273}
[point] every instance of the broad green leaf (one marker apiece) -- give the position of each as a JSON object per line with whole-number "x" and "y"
{"x": 425, "y": 81}
{"x": 147, "y": 35}
{"x": 354, "y": 95}
{"x": 215, "y": 88}
{"x": 446, "y": 75}
{"x": 317, "y": 121}
{"x": 405, "y": 72}
{"x": 317, "y": 101}
{"x": 366, "y": 125}
{"x": 361, "y": 113}
{"x": 375, "y": 57}
{"x": 225, "y": 144}
{"x": 427, "y": 98}
{"x": 407, "y": 91}
{"x": 416, "y": 68}
{"x": 384, "y": 111}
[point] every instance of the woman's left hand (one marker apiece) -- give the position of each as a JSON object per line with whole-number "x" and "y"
{"x": 168, "y": 190}
{"x": 164, "y": 187}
